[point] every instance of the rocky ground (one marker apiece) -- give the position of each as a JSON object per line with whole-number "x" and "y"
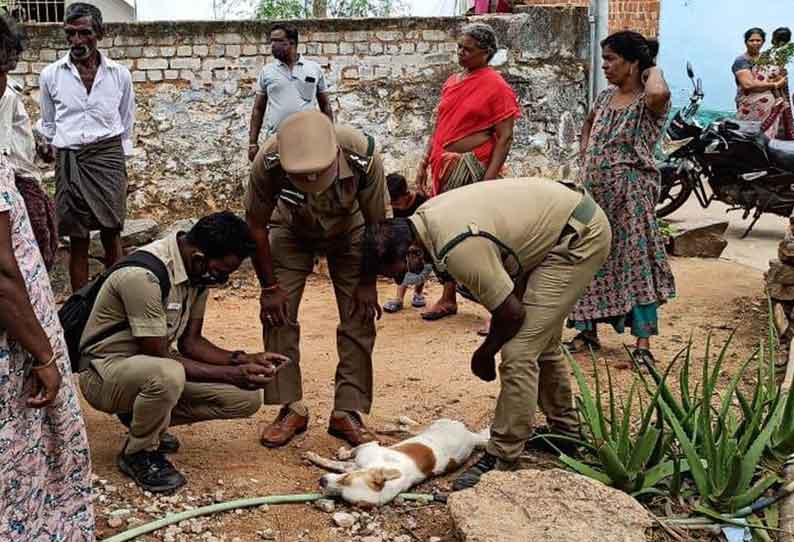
{"x": 422, "y": 373}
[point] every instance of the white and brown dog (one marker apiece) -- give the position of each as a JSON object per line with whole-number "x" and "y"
{"x": 376, "y": 474}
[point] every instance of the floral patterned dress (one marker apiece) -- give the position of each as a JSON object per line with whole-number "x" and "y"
{"x": 619, "y": 171}
{"x": 45, "y": 473}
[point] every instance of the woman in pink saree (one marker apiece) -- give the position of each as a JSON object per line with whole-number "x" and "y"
{"x": 761, "y": 90}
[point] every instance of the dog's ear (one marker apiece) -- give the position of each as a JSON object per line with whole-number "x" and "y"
{"x": 381, "y": 476}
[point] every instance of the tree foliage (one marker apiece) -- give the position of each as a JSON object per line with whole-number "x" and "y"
{"x": 297, "y": 9}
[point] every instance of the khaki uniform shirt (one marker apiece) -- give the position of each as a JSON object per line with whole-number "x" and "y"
{"x": 133, "y": 294}
{"x": 357, "y": 197}
{"x": 527, "y": 215}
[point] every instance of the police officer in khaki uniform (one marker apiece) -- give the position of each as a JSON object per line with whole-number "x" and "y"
{"x": 131, "y": 370}
{"x": 526, "y": 249}
{"x": 313, "y": 189}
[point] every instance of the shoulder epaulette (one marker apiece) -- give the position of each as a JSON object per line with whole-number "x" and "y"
{"x": 363, "y": 162}
{"x": 272, "y": 160}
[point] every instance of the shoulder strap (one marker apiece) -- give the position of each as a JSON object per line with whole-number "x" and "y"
{"x": 474, "y": 231}
{"x": 362, "y": 163}
{"x": 139, "y": 258}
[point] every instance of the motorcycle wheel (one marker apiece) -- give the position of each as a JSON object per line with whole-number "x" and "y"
{"x": 676, "y": 189}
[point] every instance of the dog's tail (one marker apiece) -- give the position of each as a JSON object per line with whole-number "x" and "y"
{"x": 482, "y": 437}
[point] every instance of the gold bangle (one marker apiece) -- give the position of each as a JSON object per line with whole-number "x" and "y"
{"x": 44, "y": 366}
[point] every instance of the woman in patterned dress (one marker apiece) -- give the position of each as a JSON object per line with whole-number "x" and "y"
{"x": 618, "y": 168}
{"x": 45, "y": 473}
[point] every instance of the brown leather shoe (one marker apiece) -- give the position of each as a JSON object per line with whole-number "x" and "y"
{"x": 287, "y": 424}
{"x": 350, "y": 428}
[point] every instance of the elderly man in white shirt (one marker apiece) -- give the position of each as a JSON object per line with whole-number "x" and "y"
{"x": 87, "y": 115}
{"x": 18, "y": 145}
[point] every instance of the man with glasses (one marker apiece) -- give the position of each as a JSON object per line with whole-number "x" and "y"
{"x": 286, "y": 86}
{"x": 313, "y": 189}
{"x": 87, "y": 114}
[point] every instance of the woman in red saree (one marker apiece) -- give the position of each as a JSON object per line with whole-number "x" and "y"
{"x": 473, "y": 130}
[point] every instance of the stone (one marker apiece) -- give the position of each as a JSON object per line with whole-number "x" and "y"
{"x": 700, "y": 240}
{"x": 115, "y": 523}
{"x": 326, "y": 505}
{"x": 344, "y": 520}
{"x": 785, "y": 251}
{"x": 121, "y": 513}
{"x": 552, "y": 505}
{"x": 152, "y": 63}
{"x": 780, "y": 273}
{"x": 267, "y": 534}
{"x": 136, "y": 233}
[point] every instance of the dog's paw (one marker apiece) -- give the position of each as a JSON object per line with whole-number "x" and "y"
{"x": 344, "y": 454}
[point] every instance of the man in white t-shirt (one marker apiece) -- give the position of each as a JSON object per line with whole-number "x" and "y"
{"x": 286, "y": 86}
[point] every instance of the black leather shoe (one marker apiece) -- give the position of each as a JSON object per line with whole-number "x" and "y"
{"x": 151, "y": 471}
{"x": 169, "y": 444}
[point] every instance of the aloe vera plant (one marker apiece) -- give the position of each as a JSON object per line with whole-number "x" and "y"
{"x": 724, "y": 449}
{"x": 629, "y": 460}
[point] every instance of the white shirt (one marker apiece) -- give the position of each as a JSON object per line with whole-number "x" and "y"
{"x": 16, "y": 135}
{"x": 71, "y": 117}
{"x": 289, "y": 91}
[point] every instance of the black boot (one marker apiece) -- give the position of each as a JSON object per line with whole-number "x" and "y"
{"x": 151, "y": 471}
{"x": 169, "y": 444}
{"x": 471, "y": 477}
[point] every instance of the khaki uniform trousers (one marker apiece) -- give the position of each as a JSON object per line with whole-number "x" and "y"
{"x": 293, "y": 261}
{"x": 533, "y": 369}
{"x": 154, "y": 390}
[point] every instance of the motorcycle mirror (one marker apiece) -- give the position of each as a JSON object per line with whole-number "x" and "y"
{"x": 689, "y": 71}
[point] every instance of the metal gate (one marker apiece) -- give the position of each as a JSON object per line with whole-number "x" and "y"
{"x": 37, "y": 11}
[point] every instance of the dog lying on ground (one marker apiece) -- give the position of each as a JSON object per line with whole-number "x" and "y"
{"x": 377, "y": 474}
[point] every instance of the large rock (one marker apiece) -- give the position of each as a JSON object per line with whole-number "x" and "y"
{"x": 137, "y": 232}
{"x": 551, "y": 505}
{"x": 700, "y": 240}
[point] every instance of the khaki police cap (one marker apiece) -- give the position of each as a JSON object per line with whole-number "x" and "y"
{"x": 307, "y": 148}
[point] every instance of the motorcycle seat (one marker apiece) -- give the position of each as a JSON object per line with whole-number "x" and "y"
{"x": 781, "y": 154}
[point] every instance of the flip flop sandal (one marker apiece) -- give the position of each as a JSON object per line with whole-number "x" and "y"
{"x": 439, "y": 314}
{"x": 393, "y": 305}
{"x": 582, "y": 343}
{"x": 418, "y": 301}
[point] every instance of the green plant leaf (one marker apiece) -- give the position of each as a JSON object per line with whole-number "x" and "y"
{"x": 692, "y": 457}
{"x": 585, "y": 470}
{"x": 753, "y": 494}
{"x": 586, "y": 402}
{"x": 643, "y": 449}
{"x": 614, "y": 468}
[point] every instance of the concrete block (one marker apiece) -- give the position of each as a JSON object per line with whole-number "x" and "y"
{"x": 376, "y": 47}
{"x": 48, "y": 55}
{"x": 38, "y": 67}
{"x": 233, "y": 51}
{"x": 217, "y": 50}
{"x": 407, "y": 48}
{"x": 171, "y": 75}
{"x": 152, "y": 63}
{"x": 250, "y": 50}
{"x": 31, "y": 54}
{"x": 228, "y": 38}
{"x": 362, "y": 47}
{"x": 134, "y": 52}
{"x": 201, "y": 50}
{"x": 168, "y": 51}
{"x": 151, "y": 52}
{"x": 333, "y": 37}
{"x": 32, "y": 81}
{"x": 154, "y": 75}
{"x": 434, "y": 35}
{"x": 423, "y": 47}
{"x": 184, "y": 50}
{"x": 361, "y": 35}
{"x": 388, "y": 35}
{"x": 138, "y": 76}
{"x": 346, "y": 48}
{"x": 22, "y": 68}
{"x": 185, "y": 63}
{"x": 330, "y": 48}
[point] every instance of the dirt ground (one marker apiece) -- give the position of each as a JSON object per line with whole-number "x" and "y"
{"x": 422, "y": 371}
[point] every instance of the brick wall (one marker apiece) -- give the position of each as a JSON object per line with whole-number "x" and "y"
{"x": 194, "y": 91}
{"x": 639, "y": 15}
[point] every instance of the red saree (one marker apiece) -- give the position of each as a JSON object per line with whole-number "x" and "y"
{"x": 469, "y": 105}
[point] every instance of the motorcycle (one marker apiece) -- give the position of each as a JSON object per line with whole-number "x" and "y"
{"x": 742, "y": 167}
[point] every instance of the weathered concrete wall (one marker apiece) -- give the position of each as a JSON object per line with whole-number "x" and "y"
{"x": 195, "y": 91}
